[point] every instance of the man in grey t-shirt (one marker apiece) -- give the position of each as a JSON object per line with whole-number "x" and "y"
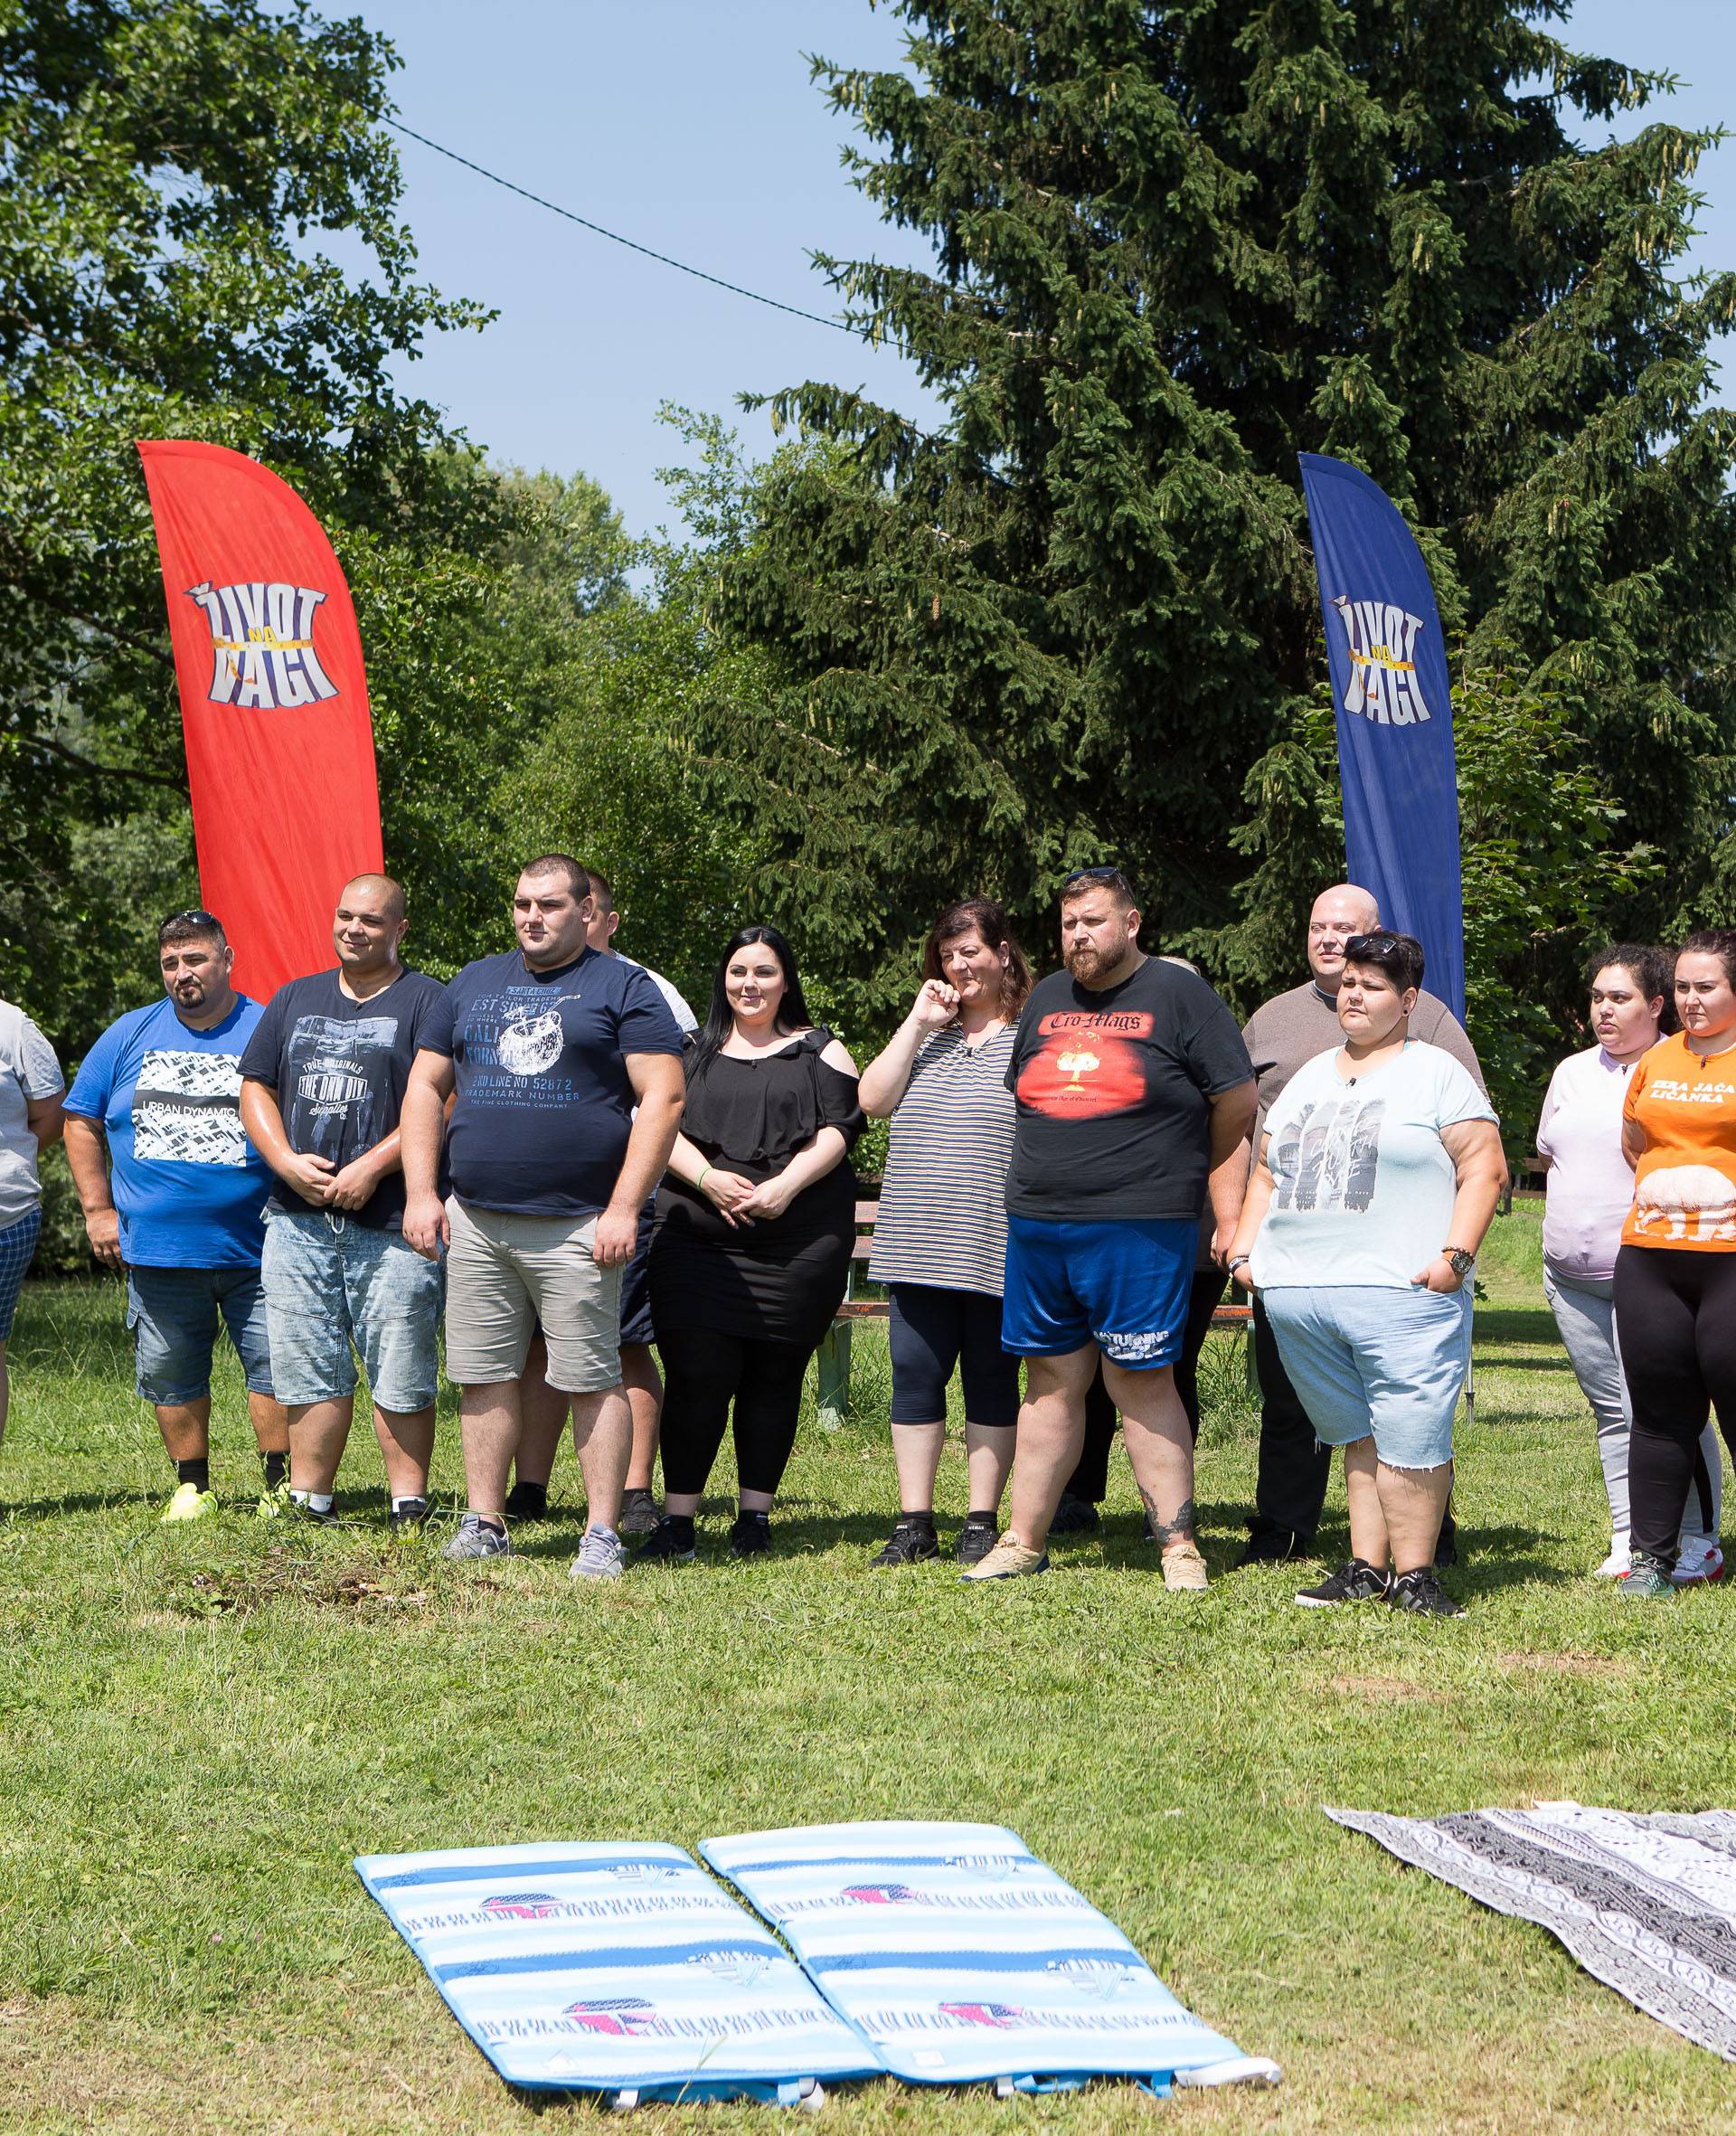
{"x": 30, "y": 1088}
{"x": 1290, "y": 1488}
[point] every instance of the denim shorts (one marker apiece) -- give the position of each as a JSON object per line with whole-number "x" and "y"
{"x": 1122, "y": 1284}
{"x": 333, "y": 1286}
{"x": 1369, "y": 1361}
{"x": 174, "y": 1314}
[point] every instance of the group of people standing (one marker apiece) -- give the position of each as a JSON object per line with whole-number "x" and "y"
{"x": 1638, "y": 1133}
{"x": 552, "y": 1153}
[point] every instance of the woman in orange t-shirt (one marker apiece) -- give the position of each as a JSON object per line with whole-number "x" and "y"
{"x": 1675, "y": 1273}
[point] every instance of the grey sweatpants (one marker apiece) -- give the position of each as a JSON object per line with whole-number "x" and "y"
{"x": 1585, "y": 1312}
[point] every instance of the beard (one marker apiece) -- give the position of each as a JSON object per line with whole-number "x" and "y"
{"x": 1087, "y": 962}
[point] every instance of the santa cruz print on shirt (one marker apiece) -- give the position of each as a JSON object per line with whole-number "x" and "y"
{"x": 1087, "y": 1063}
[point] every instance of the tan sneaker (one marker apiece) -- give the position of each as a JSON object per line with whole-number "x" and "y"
{"x": 1183, "y": 1569}
{"x": 1007, "y": 1560}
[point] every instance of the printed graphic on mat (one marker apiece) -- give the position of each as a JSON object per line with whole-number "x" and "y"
{"x": 963, "y": 1957}
{"x": 615, "y": 1968}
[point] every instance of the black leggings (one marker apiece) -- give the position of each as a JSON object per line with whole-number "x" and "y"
{"x": 1676, "y": 1319}
{"x": 703, "y": 1373}
{"x": 934, "y": 1330}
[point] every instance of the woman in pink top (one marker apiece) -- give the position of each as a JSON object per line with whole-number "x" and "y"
{"x": 1591, "y": 1188}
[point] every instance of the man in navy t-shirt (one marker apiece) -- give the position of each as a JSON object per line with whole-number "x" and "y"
{"x": 565, "y": 1070}
{"x": 180, "y": 1213}
{"x": 544, "y": 1411}
{"x": 322, "y": 1079}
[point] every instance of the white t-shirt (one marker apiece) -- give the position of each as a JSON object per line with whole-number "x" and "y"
{"x": 687, "y": 1022}
{"x": 1590, "y": 1184}
{"x": 1362, "y": 1187}
{"x": 28, "y": 1070}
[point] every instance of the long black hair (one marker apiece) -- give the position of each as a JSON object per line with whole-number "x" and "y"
{"x": 792, "y": 1010}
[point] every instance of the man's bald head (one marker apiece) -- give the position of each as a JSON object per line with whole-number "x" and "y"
{"x": 367, "y": 929}
{"x": 379, "y": 890}
{"x": 1344, "y": 910}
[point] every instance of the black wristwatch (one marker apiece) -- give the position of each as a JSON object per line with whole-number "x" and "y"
{"x": 1460, "y": 1261}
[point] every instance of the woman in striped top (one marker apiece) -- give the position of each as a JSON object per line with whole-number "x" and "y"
{"x": 940, "y": 1236}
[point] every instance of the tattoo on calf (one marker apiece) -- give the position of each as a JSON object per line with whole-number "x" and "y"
{"x": 1168, "y": 1531}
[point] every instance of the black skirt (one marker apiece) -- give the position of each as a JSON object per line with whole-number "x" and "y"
{"x": 778, "y": 1280}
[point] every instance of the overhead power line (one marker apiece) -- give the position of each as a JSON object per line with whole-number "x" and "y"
{"x": 615, "y": 237}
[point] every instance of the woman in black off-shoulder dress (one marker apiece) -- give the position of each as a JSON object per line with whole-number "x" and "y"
{"x": 756, "y": 1219}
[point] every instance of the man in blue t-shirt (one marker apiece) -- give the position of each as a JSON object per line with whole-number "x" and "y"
{"x": 322, "y": 1080}
{"x": 176, "y": 1200}
{"x": 565, "y": 1071}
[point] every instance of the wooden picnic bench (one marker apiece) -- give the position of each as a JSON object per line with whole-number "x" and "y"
{"x": 834, "y": 1393}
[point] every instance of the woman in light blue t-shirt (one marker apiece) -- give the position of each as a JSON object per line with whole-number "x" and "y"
{"x": 1379, "y": 1171}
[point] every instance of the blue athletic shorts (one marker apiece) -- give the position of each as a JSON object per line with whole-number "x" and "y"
{"x": 1123, "y": 1285}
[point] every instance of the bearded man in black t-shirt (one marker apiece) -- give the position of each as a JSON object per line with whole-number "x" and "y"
{"x": 1134, "y": 1092}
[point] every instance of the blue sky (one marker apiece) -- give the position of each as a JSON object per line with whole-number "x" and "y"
{"x": 691, "y": 125}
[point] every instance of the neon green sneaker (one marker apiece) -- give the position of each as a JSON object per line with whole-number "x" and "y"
{"x": 188, "y": 1503}
{"x": 276, "y": 1504}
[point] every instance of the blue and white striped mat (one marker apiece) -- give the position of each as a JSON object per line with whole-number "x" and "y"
{"x": 613, "y": 1967}
{"x": 961, "y": 1958}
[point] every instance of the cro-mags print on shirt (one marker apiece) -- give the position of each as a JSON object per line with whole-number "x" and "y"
{"x": 186, "y": 1109}
{"x": 1087, "y": 1065}
{"x": 1332, "y": 1154}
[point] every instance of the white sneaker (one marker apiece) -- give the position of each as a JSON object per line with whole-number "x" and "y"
{"x": 602, "y": 1555}
{"x": 1614, "y": 1566}
{"x": 1700, "y": 1562}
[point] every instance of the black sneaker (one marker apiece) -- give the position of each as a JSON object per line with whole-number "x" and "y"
{"x": 1357, "y": 1582}
{"x": 1422, "y": 1595}
{"x": 750, "y": 1535}
{"x": 1075, "y": 1517}
{"x": 1273, "y": 1545}
{"x": 528, "y": 1501}
{"x": 639, "y": 1513}
{"x": 671, "y": 1541}
{"x": 977, "y": 1538}
{"x": 912, "y": 1543}
{"x": 407, "y": 1515}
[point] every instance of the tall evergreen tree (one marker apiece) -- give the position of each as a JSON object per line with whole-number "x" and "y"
{"x": 1176, "y": 243}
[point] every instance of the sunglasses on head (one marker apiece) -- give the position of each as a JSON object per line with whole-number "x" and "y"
{"x": 1095, "y": 874}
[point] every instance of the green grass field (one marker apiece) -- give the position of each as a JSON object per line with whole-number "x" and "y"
{"x": 202, "y": 1726}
